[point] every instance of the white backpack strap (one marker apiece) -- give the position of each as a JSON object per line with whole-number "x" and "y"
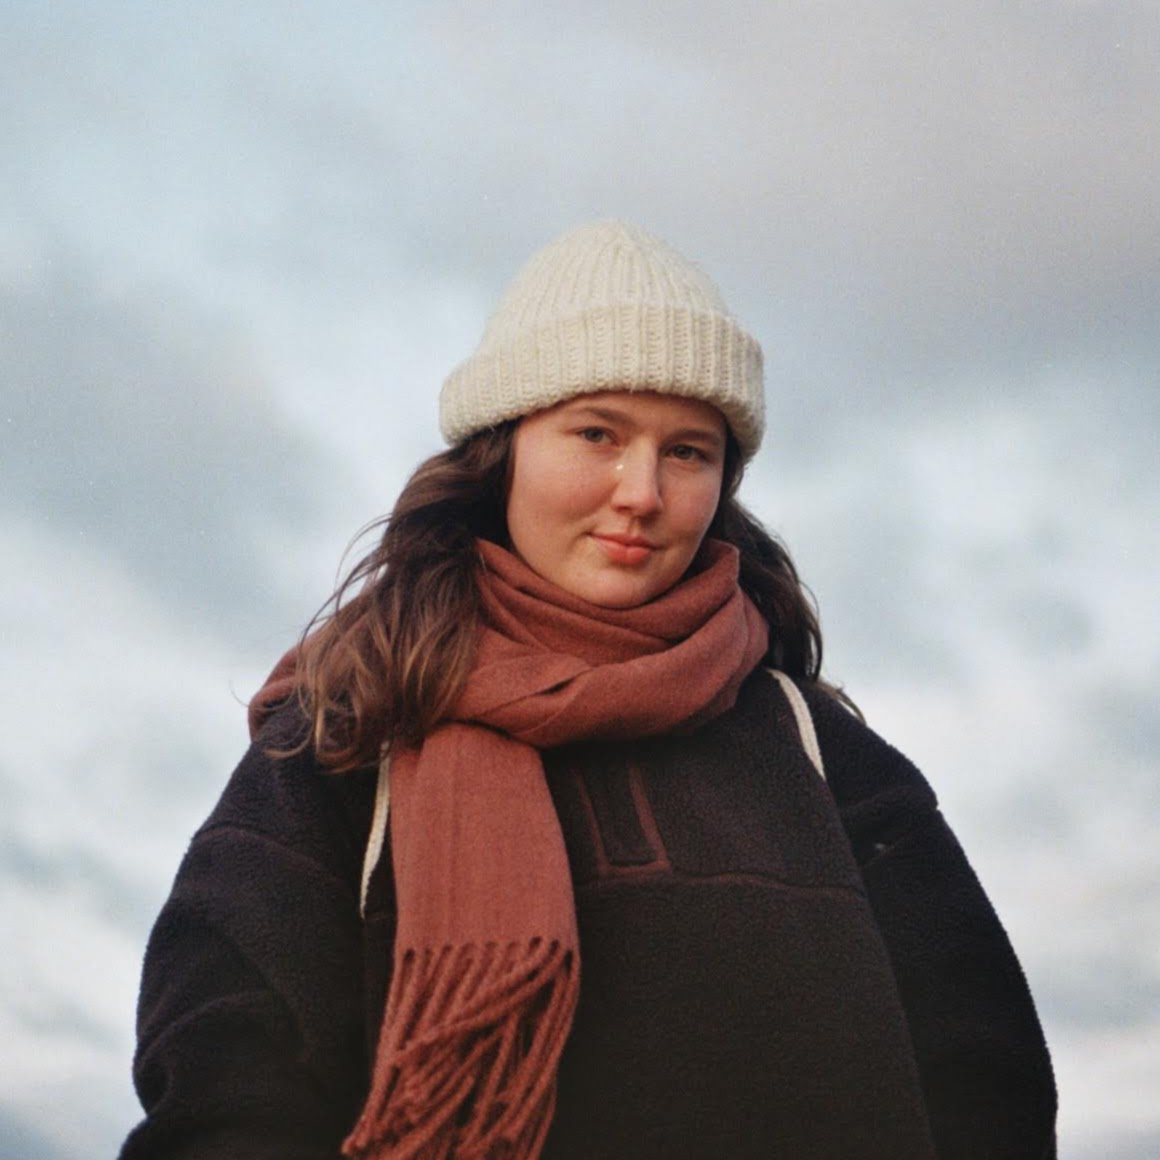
{"x": 805, "y": 722}
{"x": 378, "y": 834}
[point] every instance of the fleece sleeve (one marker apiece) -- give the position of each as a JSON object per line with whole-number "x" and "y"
{"x": 982, "y": 1058}
{"x": 250, "y": 1021}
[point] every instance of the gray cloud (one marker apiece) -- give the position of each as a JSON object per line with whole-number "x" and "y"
{"x": 1111, "y": 990}
{"x": 108, "y": 893}
{"x": 18, "y": 1138}
{"x": 134, "y": 423}
{"x": 900, "y": 182}
{"x": 1123, "y": 1144}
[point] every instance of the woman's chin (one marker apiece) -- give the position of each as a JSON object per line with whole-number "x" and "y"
{"x": 619, "y": 587}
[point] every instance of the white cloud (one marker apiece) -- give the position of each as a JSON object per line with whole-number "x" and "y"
{"x": 122, "y": 726}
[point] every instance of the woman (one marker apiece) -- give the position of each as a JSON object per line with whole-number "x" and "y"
{"x": 552, "y": 842}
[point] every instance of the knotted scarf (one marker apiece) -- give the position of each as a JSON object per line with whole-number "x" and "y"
{"x": 486, "y": 959}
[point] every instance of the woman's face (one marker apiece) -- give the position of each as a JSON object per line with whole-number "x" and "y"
{"x": 612, "y": 493}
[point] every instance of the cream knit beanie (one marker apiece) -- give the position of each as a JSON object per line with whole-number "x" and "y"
{"x": 606, "y": 307}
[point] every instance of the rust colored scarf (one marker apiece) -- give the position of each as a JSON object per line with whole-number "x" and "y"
{"x": 486, "y": 967}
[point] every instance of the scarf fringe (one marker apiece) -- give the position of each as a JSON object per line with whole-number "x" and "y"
{"x": 473, "y": 1038}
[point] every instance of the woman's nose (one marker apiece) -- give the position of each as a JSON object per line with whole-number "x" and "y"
{"x": 637, "y": 481}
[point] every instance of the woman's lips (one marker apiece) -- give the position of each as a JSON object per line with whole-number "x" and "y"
{"x": 625, "y": 549}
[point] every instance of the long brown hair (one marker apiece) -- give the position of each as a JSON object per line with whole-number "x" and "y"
{"x": 387, "y": 656}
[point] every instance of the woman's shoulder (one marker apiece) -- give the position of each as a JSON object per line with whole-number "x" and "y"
{"x": 857, "y": 762}
{"x": 279, "y": 793}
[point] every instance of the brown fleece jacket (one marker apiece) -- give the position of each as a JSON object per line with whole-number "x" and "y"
{"x": 773, "y": 966}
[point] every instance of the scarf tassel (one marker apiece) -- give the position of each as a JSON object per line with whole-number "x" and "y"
{"x": 473, "y": 1038}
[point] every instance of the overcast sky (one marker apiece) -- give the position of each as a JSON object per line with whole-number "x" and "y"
{"x": 241, "y": 245}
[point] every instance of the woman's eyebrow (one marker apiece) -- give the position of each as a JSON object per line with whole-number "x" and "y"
{"x": 702, "y": 434}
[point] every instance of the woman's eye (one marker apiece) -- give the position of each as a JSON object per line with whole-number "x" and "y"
{"x": 594, "y": 434}
{"x": 687, "y": 453}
